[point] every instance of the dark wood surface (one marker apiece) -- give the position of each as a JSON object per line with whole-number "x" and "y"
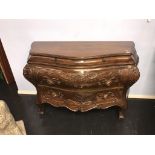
{"x": 140, "y": 117}
{"x": 5, "y": 66}
{"x": 86, "y": 83}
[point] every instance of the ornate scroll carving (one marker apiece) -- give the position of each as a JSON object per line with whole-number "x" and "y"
{"x": 77, "y": 101}
{"x": 103, "y": 77}
{"x": 82, "y": 90}
{"x": 83, "y": 82}
{"x": 129, "y": 75}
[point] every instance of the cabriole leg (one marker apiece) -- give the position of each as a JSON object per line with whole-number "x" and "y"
{"x": 121, "y": 113}
{"x": 123, "y": 107}
{"x": 41, "y": 109}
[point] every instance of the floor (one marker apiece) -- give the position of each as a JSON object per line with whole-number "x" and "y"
{"x": 140, "y": 117}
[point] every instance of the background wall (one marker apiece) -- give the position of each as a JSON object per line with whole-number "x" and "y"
{"x": 17, "y": 36}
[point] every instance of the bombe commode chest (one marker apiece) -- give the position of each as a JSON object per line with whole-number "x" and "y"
{"x": 83, "y": 75}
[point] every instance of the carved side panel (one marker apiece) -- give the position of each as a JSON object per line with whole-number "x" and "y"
{"x": 129, "y": 75}
{"x": 30, "y": 73}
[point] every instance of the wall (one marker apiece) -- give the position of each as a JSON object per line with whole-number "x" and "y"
{"x": 17, "y": 36}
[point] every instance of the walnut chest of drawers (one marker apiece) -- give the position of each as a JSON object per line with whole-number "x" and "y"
{"x": 83, "y": 75}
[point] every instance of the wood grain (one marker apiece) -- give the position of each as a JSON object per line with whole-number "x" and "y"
{"x": 5, "y": 66}
{"x": 83, "y": 83}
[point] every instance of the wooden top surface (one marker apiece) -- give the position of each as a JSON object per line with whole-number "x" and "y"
{"x": 82, "y": 49}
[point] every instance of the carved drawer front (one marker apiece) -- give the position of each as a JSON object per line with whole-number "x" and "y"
{"x": 79, "y": 79}
{"x": 101, "y": 78}
{"x": 81, "y": 100}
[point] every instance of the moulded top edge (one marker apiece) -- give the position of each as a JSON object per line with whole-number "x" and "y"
{"x": 82, "y": 49}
